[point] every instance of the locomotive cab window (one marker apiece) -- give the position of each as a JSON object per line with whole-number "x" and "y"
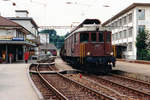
{"x": 75, "y": 38}
{"x": 84, "y": 37}
{"x": 108, "y": 37}
{"x": 93, "y": 37}
{"x": 101, "y": 37}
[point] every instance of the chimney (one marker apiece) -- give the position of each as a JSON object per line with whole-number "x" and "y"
{"x": 21, "y": 13}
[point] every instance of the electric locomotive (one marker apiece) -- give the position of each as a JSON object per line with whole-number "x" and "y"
{"x": 89, "y": 45}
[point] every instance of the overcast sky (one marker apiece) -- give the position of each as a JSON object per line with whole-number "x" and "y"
{"x": 59, "y": 12}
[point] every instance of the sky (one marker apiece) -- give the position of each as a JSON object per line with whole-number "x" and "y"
{"x": 65, "y": 12}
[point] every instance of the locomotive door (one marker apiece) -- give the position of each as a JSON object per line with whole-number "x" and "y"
{"x": 107, "y": 43}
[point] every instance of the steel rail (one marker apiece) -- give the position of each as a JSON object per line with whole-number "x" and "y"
{"x": 85, "y": 88}
{"x": 131, "y": 79}
{"x": 56, "y": 92}
{"x": 142, "y": 93}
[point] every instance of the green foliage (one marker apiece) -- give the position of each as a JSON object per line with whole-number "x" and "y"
{"x": 141, "y": 40}
{"x": 142, "y": 46}
{"x": 148, "y": 55}
{"x": 55, "y": 39}
{"x": 51, "y": 32}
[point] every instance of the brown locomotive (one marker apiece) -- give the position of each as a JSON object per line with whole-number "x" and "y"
{"x": 89, "y": 45}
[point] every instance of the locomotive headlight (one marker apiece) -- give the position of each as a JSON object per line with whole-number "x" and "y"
{"x": 112, "y": 53}
{"x": 88, "y": 53}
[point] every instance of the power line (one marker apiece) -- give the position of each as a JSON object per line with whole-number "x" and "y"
{"x": 57, "y": 27}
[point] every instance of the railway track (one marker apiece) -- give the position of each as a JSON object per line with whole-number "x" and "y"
{"x": 89, "y": 87}
{"x": 66, "y": 89}
{"x": 99, "y": 87}
{"x": 126, "y": 86}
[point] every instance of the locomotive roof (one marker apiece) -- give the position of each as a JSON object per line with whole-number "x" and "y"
{"x": 89, "y": 27}
{"x": 91, "y": 21}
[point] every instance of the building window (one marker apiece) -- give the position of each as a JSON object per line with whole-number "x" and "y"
{"x": 115, "y": 36}
{"x": 121, "y": 35}
{"x": 120, "y": 22}
{"x": 125, "y": 33}
{"x": 141, "y": 28}
{"x": 130, "y": 32}
{"x": 130, "y": 17}
{"x": 125, "y": 20}
{"x": 115, "y": 24}
{"x": 112, "y": 36}
{"x": 130, "y": 46}
{"x": 112, "y": 25}
{"x": 19, "y": 34}
{"x": 118, "y": 35}
{"x": 141, "y": 14}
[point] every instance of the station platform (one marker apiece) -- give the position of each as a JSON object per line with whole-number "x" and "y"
{"x": 14, "y": 83}
{"x": 137, "y": 68}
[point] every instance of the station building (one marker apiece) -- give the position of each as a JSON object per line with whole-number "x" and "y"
{"x": 16, "y": 38}
{"x": 125, "y": 27}
{"x": 28, "y": 23}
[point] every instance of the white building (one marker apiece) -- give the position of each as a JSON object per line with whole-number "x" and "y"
{"x": 44, "y": 38}
{"x": 29, "y": 24}
{"x": 126, "y": 25}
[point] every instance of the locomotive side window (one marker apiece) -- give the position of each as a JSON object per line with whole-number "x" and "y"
{"x": 101, "y": 37}
{"x": 84, "y": 37}
{"x": 75, "y": 39}
{"x": 108, "y": 38}
{"x": 93, "y": 37}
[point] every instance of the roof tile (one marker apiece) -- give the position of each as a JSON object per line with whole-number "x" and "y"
{"x": 8, "y": 23}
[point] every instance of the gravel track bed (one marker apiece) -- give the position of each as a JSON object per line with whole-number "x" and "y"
{"x": 71, "y": 91}
{"x": 33, "y": 67}
{"x": 47, "y": 94}
{"x": 99, "y": 87}
{"x": 116, "y": 87}
{"x": 129, "y": 83}
{"x": 54, "y": 68}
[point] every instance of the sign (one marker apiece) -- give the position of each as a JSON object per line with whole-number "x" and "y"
{"x": 8, "y": 37}
{"x": 18, "y": 39}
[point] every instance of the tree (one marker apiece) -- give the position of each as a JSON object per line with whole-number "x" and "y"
{"x": 141, "y": 44}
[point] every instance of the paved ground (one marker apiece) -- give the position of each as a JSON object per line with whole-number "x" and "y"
{"x": 61, "y": 65}
{"x": 123, "y": 66}
{"x": 14, "y": 84}
{"x": 133, "y": 67}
